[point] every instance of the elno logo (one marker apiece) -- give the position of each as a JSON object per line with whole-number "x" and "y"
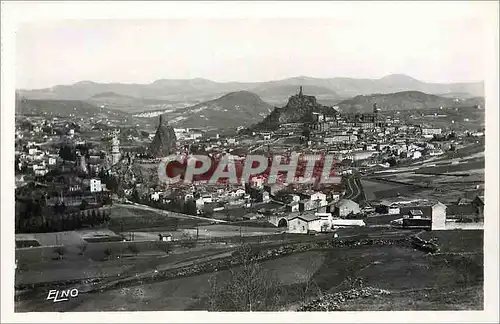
{"x": 62, "y": 295}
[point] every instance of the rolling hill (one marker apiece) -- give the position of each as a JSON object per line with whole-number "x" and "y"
{"x": 66, "y": 108}
{"x": 201, "y": 90}
{"x": 240, "y": 108}
{"x": 406, "y": 100}
{"x": 113, "y": 100}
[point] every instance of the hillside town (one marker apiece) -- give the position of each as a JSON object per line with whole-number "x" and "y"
{"x": 265, "y": 159}
{"x": 96, "y": 192}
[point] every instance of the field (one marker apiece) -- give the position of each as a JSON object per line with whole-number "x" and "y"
{"x": 124, "y": 219}
{"x": 445, "y": 178}
{"x": 376, "y": 190}
{"x": 415, "y": 279}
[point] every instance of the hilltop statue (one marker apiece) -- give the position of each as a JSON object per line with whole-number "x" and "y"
{"x": 300, "y": 91}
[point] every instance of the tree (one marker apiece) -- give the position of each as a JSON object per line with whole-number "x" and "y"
{"x": 60, "y": 251}
{"x": 135, "y": 196}
{"x": 84, "y": 204}
{"x": 93, "y": 217}
{"x": 165, "y": 247}
{"x": 82, "y": 247}
{"x": 392, "y": 161}
{"x": 190, "y": 207}
{"x": 67, "y": 153}
{"x": 107, "y": 253}
{"x": 133, "y": 248}
{"x": 248, "y": 288}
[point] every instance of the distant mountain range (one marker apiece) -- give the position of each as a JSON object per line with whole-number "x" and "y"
{"x": 406, "y": 100}
{"x": 244, "y": 108}
{"x": 201, "y": 103}
{"x": 200, "y": 90}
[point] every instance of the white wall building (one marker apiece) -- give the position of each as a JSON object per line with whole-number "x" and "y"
{"x": 155, "y": 196}
{"x": 438, "y": 216}
{"x": 95, "y": 185}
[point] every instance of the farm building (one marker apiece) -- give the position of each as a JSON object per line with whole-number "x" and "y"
{"x": 423, "y": 223}
{"x": 419, "y": 213}
{"x": 346, "y": 207}
{"x": 306, "y": 223}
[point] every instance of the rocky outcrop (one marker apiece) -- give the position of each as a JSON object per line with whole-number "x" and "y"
{"x": 299, "y": 109}
{"x": 163, "y": 143}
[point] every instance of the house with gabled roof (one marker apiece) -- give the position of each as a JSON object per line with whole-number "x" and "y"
{"x": 307, "y": 223}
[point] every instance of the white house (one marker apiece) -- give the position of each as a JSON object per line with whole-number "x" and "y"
{"x": 304, "y": 223}
{"x": 155, "y": 196}
{"x": 436, "y": 152}
{"x": 294, "y": 206}
{"x": 431, "y": 131}
{"x": 52, "y": 161}
{"x": 257, "y": 182}
{"x": 238, "y": 193}
{"x": 95, "y": 185}
{"x": 335, "y": 196}
{"x": 346, "y": 207}
{"x": 416, "y": 155}
{"x": 265, "y": 197}
{"x": 319, "y": 196}
{"x": 41, "y": 171}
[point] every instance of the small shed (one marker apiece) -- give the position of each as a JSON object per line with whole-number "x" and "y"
{"x": 165, "y": 237}
{"x": 416, "y": 213}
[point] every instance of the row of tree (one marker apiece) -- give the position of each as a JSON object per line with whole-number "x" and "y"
{"x": 176, "y": 205}
{"x": 66, "y": 222}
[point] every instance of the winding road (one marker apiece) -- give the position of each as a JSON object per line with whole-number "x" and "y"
{"x": 354, "y": 188}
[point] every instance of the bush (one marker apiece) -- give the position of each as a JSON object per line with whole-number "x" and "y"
{"x": 83, "y": 248}
{"x": 133, "y": 248}
{"x": 165, "y": 247}
{"x": 189, "y": 244}
{"x": 60, "y": 251}
{"x": 107, "y": 253}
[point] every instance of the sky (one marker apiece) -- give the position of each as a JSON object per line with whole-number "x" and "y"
{"x": 433, "y": 48}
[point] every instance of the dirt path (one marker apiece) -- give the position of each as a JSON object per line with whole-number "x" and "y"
{"x": 168, "y": 213}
